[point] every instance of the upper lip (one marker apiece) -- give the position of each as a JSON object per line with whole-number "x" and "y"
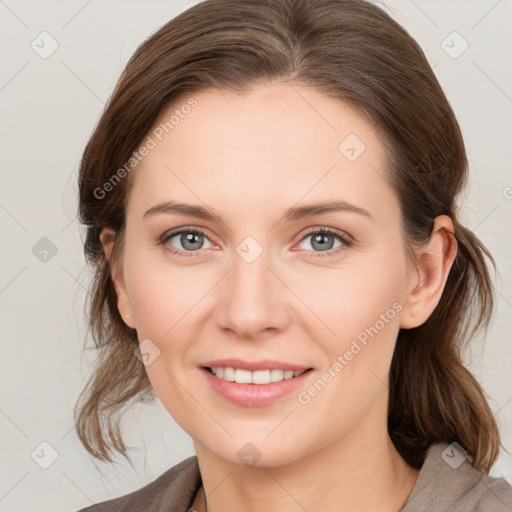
{"x": 262, "y": 364}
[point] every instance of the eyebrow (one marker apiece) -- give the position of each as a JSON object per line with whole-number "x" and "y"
{"x": 291, "y": 214}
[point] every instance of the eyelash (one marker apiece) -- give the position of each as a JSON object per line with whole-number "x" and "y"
{"x": 344, "y": 239}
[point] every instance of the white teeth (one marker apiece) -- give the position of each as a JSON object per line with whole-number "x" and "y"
{"x": 243, "y": 376}
{"x": 276, "y": 375}
{"x": 229, "y": 374}
{"x": 257, "y": 377}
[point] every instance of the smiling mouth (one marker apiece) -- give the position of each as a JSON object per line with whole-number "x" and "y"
{"x": 241, "y": 376}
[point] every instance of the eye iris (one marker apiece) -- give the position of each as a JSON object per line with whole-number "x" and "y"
{"x": 189, "y": 238}
{"x": 321, "y": 237}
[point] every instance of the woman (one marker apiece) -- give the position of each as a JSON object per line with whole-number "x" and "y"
{"x": 271, "y": 202}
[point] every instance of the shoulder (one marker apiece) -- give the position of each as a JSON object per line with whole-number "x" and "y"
{"x": 496, "y": 495}
{"x": 173, "y": 491}
{"x": 448, "y": 481}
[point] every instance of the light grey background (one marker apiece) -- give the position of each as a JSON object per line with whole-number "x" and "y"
{"x": 48, "y": 109}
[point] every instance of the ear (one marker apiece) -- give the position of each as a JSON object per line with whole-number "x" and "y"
{"x": 435, "y": 262}
{"x": 107, "y": 238}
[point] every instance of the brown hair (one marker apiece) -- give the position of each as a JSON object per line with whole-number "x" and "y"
{"x": 346, "y": 49}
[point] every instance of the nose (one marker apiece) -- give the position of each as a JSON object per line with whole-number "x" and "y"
{"x": 252, "y": 299}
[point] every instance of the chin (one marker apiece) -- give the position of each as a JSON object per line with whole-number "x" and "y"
{"x": 260, "y": 452}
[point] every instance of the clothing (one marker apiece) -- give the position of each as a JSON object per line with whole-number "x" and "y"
{"x": 440, "y": 487}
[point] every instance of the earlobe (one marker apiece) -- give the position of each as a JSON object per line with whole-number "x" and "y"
{"x": 434, "y": 264}
{"x": 107, "y": 239}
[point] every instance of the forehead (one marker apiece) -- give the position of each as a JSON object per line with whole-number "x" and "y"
{"x": 276, "y": 142}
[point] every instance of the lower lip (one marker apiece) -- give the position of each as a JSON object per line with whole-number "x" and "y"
{"x": 254, "y": 395}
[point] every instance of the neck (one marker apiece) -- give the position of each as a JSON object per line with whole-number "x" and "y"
{"x": 360, "y": 472}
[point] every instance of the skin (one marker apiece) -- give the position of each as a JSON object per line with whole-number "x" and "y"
{"x": 248, "y": 158}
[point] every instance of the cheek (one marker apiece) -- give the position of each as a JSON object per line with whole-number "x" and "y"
{"x": 163, "y": 300}
{"x": 361, "y": 305}
{"x": 348, "y": 299}
{"x": 154, "y": 307}
{"x": 163, "y": 296}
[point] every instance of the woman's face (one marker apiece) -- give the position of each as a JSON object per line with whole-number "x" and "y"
{"x": 266, "y": 285}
